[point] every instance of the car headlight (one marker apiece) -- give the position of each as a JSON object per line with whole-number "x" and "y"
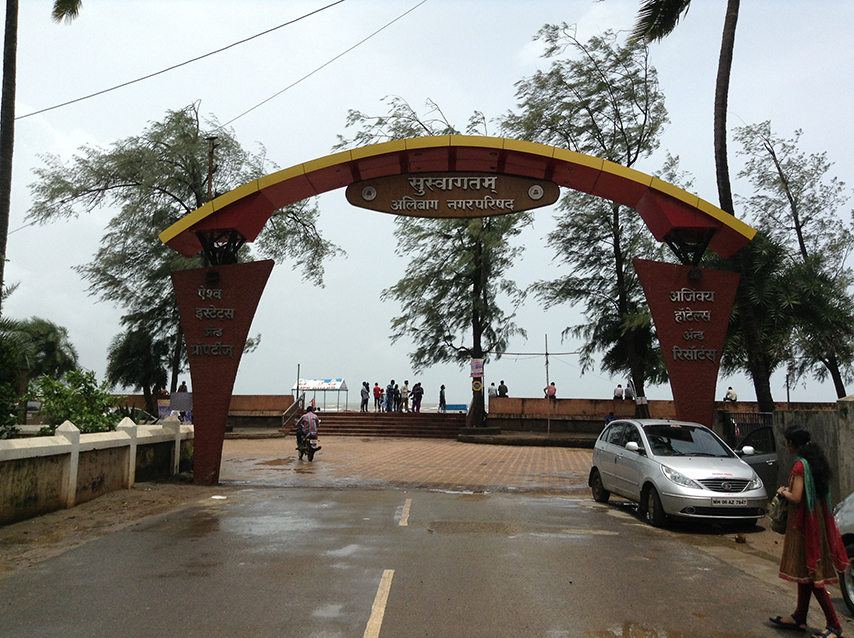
{"x": 679, "y": 478}
{"x": 755, "y": 482}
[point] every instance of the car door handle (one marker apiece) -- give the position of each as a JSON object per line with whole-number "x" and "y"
{"x": 770, "y": 462}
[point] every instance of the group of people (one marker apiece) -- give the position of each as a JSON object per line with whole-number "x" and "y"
{"x": 628, "y": 392}
{"x": 393, "y": 398}
{"x": 500, "y": 391}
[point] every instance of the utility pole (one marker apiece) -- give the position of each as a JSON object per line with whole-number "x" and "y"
{"x": 211, "y": 168}
{"x": 548, "y": 401}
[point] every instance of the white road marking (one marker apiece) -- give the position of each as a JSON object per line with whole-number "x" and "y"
{"x": 404, "y": 515}
{"x": 378, "y": 610}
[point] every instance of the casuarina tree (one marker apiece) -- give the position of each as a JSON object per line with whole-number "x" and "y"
{"x": 154, "y": 179}
{"x": 601, "y": 98}
{"x": 455, "y": 288}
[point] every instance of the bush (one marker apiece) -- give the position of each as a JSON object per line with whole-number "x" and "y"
{"x": 8, "y": 408}
{"x": 77, "y": 398}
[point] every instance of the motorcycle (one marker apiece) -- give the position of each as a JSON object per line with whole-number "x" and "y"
{"x": 307, "y": 446}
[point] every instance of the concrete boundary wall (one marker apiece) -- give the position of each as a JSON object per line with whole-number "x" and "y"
{"x": 43, "y": 474}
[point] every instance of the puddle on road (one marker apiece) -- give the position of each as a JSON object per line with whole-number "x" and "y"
{"x": 304, "y": 469}
{"x": 277, "y": 462}
{"x": 201, "y": 525}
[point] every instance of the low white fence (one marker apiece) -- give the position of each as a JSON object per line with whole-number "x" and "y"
{"x": 43, "y": 474}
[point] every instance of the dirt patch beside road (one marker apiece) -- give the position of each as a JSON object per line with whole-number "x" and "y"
{"x": 32, "y": 541}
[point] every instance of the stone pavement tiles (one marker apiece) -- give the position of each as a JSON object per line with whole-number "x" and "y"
{"x": 411, "y": 463}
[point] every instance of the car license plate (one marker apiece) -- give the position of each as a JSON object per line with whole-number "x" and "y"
{"x": 729, "y": 502}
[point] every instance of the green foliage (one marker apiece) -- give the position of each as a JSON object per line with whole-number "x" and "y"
{"x": 31, "y": 348}
{"x": 8, "y": 408}
{"x": 50, "y": 351}
{"x": 454, "y": 285}
{"x": 77, "y": 398}
{"x": 601, "y": 99}
{"x": 605, "y": 102}
{"x": 154, "y": 179}
{"x": 138, "y": 361}
{"x": 771, "y": 298}
{"x": 796, "y": 204}
{"x": 657, "y": 19}
{"x": 450, "y": 294}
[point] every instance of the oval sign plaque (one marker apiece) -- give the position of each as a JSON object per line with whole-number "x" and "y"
{"x": 457, "y": 194}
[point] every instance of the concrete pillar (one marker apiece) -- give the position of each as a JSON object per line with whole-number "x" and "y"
{"x": 69, "y": 488}
{"x": 172, "y": 425}
{"x": 127, "y": 426}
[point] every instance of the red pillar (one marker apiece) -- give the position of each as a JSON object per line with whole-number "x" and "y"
{"x": 217, "y": 305}
{"x": 690, "y": 308}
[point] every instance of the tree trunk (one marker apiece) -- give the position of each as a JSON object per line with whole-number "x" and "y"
{"x": 7, "y": 128}
{"x": 832, "y": 365}
{"x": 176, "y": 358}
{"x": 476, "y": 416}
{"x": 150, "y": 406}
{"x": 756, "y": 363}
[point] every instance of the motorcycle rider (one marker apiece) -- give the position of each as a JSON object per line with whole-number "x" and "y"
{"x": 307, "y": 427}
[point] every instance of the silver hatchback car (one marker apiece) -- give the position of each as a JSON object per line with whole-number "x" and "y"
{"x": 675, "y": 468}
{"x": 844, "y": 513}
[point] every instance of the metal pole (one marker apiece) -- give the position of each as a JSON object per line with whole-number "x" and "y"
{"x": 548, "y": 401}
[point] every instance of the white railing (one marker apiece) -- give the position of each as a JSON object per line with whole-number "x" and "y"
{"x": 45, "y": 472}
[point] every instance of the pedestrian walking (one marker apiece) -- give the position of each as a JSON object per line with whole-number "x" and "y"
{"x": 813, "y": 551}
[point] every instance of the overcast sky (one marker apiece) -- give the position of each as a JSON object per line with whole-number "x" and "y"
{"x": 793, "y": 65}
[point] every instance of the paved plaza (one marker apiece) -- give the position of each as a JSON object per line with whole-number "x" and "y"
{"x": 410, "y": 463}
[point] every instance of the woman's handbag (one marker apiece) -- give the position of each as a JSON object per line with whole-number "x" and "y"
{"x": 778, "y": 513}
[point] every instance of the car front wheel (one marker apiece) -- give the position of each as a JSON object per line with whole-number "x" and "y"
{"x": 654, "y": 512}
{"x": 846, "y": 579}
{"x": 600, "y": 494}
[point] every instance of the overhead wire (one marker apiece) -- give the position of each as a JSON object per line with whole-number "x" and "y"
{"x": 176, "y": 66}
{"x": 308, "y": 75}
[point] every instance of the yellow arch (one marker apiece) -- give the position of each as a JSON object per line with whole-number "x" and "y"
{"x": 667, "y": 210}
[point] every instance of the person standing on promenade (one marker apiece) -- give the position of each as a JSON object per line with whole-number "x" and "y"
{"x": 502, "y": 389}
{"x": 417, "y": 393}
{"x": 378, "y": 398}
{"x": 404, "y": 396}
{"x": 397, "y": 398}
{"x": 389, "y": 397}
{"x": 366, "y": 394}
{"x": 813, "y": 551}
{"x": 443, "y": 405}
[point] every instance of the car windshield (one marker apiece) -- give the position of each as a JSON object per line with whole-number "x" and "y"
{"x": 684, "y": 440}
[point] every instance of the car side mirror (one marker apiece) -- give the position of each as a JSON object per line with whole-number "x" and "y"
{"x": 632, "y": 446}
{"x": 748, "y": 450}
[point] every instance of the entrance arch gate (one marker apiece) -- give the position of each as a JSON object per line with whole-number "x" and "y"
{"x": 690, "y": 306}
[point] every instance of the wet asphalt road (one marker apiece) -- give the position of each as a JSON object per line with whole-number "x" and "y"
{"x": 319, "y": 562}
